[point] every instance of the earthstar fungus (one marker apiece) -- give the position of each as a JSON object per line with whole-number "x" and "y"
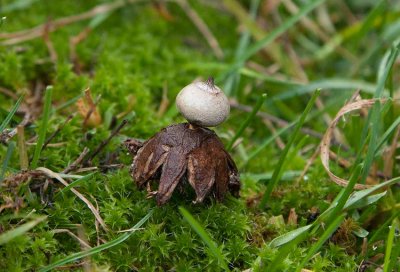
{"x": 188, "y": 151}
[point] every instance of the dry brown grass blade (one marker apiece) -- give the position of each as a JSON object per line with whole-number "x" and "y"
{"x": 96, "y": 214}
{"x": 23, "y": 154}
{"x": 164, "y": 101}
{"x": 310, "y": 161}
{"x": 54, "y": 134}
{"x": 38, "y": 31}
{"x": 326, "y": 140}
{"x": 49, "y": 43}
{"x": 389, "y": 156}
{"x": 70, "y": 233}
{"x": 278, "y": 139}
{"x": 202, "y": 27}
{"x": 292, "y": 218}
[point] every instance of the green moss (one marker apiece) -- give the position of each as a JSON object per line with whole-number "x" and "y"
{"x": 129, "y": 59}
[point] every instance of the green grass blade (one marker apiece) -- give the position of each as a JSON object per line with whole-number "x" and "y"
{"x": 274, "y": 180}
{"x": 73, "y": 184}
{"x": 357, "y": 196}
{"x": 289, "y": 236}
{"x": 290, "y": 88}
{"x": 280, "y": 30}
{"x": 389, "y": 246}
{"x": 341, "y": 202}
{"x": 364, "y": 202}
{"x": 325, "y": 235}
{"x": 246, "y": 123}
{"x": 11, "y": 234}
{"x": 68, "y": 103}
{"x": 267, "y": 142}
{"x": 383, "y": 227}
{"x": 10, "y": 150}
{"x": 373, "y": 117}
{"x": 331, "y": 83}
{"x": 284, "y": 251}
{"x": 394, "y": 262}
{"x": 205, "y": 237}
{"x": 287, "y": 175}
{"x": 17, "y": 5}
{"x": 233, "y": 80}
{"x": 97, "y": 249}
{"x": 10, "y": 114}
{"x": 387, "y": 134}
{"x": 383, "y": 73}
{"x": 384, "y": 70}
{"x": 43, "y": 127}
{"x": 369, "y": 158}
{"x": 252, "y": 50}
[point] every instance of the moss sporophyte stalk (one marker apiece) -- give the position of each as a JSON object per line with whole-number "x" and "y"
{"x": 188, "y": 152}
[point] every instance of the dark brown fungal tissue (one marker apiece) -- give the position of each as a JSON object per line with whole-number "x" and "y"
{"x": 180, "y": 153}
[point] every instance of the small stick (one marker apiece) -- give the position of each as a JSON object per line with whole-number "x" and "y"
{"x": 308, "y": 165}
{"x": 73, "y": 42}
{"x": 278, "y": 139}
{"x": 164, "y": 101}
{"x": 23, "y": 155}
{"x": 6, "y": 136}
{"x": 51, "y": 137}
{"x": 282, "y": 123}
{"x": 8, "y": 93}
{"x": 389, "y": 158}
{"x": 77, "y": 162}
{"x": 105, "y": 142}
{"x": 49, "y": 43}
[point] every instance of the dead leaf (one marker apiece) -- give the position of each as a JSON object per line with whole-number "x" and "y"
{"x": 88, "y": 109}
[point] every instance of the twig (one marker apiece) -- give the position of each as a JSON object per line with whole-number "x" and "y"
{"x": 77, "y": 162}
{"x": 202, "y": 27}
{"x": 278, "y": 139}
{"x": 389, "y": 156}
{"x": 308, "y": 165}
{"x": 164, "y": 101}
{"x": 51, "y": 137}
{"x": 49, "y": 43}
{"x": 23, "y": 155}
{"x": 92, "y": 109}
{"x": 8, "y": 93}
{"x": 36, "y": 32}
{"x": 104, "y": 143}
{"x": 314, "y": 28}
{"x": 73, "y": 42}
{"x": 280, "y": 122}
{"x": 283, "y": 123}
{"x": 7, "y": 135}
